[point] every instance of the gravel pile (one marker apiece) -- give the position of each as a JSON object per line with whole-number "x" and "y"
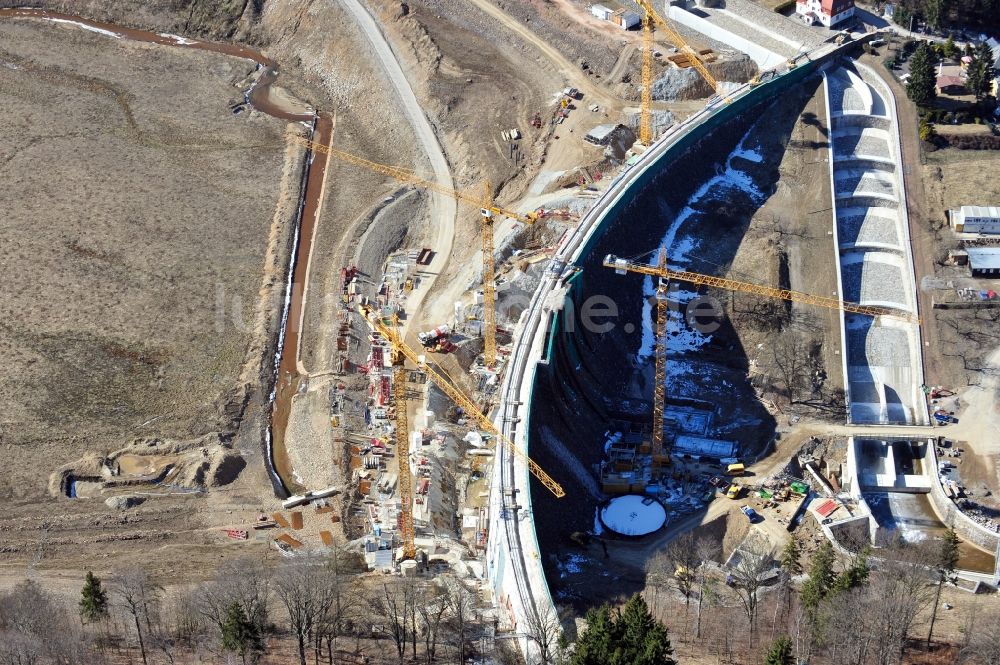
{"x": 868, "y": 228}
{"x": 976, "y": 513}
{"x": 849, "y": 145}
{"x": 854, "y": 183}
{"x": 878, "y": 346}
{"x": 873, "y": 281}
{"x": 843, "y": 97}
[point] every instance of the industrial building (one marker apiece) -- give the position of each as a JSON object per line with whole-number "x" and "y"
{"x": 976, "y": 219}
{"x": 827, "y": 13}
{"x": 984, "y": 261}
{"x": 623, "y": 18}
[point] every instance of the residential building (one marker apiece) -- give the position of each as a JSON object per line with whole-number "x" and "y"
{"x": 984, "y": 220}
{"x": 827, "y": 13}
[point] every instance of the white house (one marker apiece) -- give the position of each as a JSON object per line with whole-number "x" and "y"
{"x": 976, "y": 219}
{"x": 601, "y": 12}
{"x": 825, "y": 12}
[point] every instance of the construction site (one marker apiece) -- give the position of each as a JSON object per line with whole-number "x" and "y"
{"x": 367, "y": 279}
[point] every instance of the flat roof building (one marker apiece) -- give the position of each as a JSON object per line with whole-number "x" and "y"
{"x": 984, "y": 261}
{"x": 976, "y": 219}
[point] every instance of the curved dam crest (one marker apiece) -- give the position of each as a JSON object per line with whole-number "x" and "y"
{"x": 565, "y": 418}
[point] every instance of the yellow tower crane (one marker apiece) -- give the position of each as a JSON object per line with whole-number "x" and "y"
{"x": 487, "y": 208}
{"x": 458, "y": 397}
{"x": 646, "y": 104}
{"x": 664, "y": 274}
{"x": 403, "y": 457}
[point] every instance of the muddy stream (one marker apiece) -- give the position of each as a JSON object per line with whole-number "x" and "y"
{"x": 285, "y": 379}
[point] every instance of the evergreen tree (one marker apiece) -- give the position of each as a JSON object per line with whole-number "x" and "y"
{"x": 949, "y": 555}
{"x": 979, "y": 77}
{"x": 950, "y": 49}
{"x": 780, "y": 652}
{"x": 947, "y": 559}
{"x": 627, "y": 637}
{"x": 93, "y": 601}
{"x": 644, "y": 639}
{"x": 821, "y": 577}
{"x": 921, "y": 86}
{"x": 597, "y": 643}
{"x": 901, "y": 15}
{"x": 791, "y": 557}
{"x": 934, "y": 12}
{"x": 239, "y": 633}
{"x": 855, "y": 575}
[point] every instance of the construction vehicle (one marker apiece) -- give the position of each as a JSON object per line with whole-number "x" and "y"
{"x": 432, "y": 336}
{"x": 487, "y": 208}
{"x": 735, "y": 470}
{"x": 664, "y": 274}
{"x": 646, "y": 103}
{"x": 734, "y": 491}
{"x": 448, "y": 387}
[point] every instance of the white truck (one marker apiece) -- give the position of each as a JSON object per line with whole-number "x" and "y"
{"x": 431, "y": 336}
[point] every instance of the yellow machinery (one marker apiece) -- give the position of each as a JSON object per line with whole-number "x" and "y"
{"x": 664, "y": 274}
{"x": 646, "y": 104}
{"x": 458, "y": 397}
{"x": 487, "y": 208}
{"x": 403, "y": 457}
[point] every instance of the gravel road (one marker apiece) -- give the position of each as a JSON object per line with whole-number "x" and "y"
{"x": 443, "y": 209}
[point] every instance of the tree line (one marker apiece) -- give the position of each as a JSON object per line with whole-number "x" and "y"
{"x": 940, "y": 14}
{"x": 329, "y": 609}
{"x": 855, "y": 606}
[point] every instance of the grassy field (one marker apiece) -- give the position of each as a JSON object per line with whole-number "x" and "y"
{"x": 137, "y": 204}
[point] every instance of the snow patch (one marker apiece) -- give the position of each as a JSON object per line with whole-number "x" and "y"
{"x": 91, "y": 28}
{"x": 680, "y": 339}
{"x": 633, "y": 515}
{"x": 181, "y": 41}
{"x": 571, "y": 565}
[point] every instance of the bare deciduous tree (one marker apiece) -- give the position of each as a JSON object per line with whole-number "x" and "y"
{"x": 544, "y": 629}
{"x": 137, "y": 597}
{"x": 754, "y": 561}
{"x": 308, "y": 588}
{"x": 393, "y": 603}
{"x": 244, "y": 581}
{"x": 432, "y": 609}
{"x": 461, "y": 606}
{"x": 983, "y": 636}
{"x": 705, "y": 550}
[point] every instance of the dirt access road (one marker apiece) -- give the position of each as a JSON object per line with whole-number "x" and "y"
{"x": 443, "y": 210}
{"x": 592, "y": 93}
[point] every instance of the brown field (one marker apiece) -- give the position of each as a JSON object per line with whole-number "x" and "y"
{"x": 137, "y": 201}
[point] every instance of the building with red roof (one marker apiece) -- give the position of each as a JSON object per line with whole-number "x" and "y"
{"x": 827, "y": 13}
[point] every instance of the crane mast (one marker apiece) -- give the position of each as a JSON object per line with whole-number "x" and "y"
{"x": 660, "y": 387}
{"x": 459, "y": 398}
{"x": 646, "y": 104}
{"x": 487, "y": 208}
{"x": 403, "y": 459}
{"x": 664, "y": 274}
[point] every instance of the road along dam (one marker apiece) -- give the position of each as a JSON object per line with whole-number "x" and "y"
{"x": 576, "y": 378}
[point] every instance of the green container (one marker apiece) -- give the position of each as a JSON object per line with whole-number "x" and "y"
{"x": 799, "y": 488}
